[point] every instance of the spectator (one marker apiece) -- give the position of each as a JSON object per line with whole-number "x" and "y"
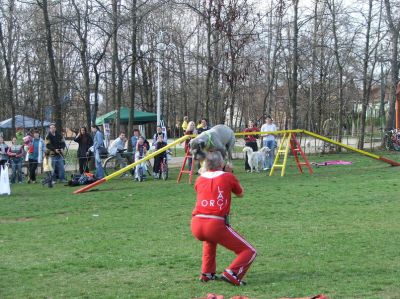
{"x": 117, "y": 147}
{"x": 48, "y": 169}
{"x": 190, "y": 130}
{"x": 85, "y": 141}
{"x": 35, "y": 155}
{"x": 140, "y": 153}
{"x": 98, "y": 144}
{"x": 210, "y": 221}
{"x": 141, "y": 147}
{"x": 3, "y": 152}
{"x": 250, "y": 141}
{"x": 27, "y": 141}
{"x": 185, "y": 123}
{"x": 158, "y": 158}
{"x": 20, "y": 135}
{"x": 269, "y": 141}
{"x": 159, "y": 132}
{"x": 16, "y": 153}
{"x": 55, "y": 144}
{"x": 135, "y": 138}
{"x": 203, "y": 127}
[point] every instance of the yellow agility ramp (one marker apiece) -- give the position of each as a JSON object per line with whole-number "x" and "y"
{"x": 317, "y": 136}
{"x": 130, "y": 166}
{"x": 282, "y": 152}
{"x": 288, "y": 132}
{"x": 362, "y": 152}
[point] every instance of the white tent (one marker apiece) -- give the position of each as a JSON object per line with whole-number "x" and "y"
{"x": 22, "y": 121}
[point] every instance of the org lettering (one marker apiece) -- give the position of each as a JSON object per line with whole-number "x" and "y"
{"x": 212, "y": 203}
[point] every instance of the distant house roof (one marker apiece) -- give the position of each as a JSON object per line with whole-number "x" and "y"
{"x": 140, "y": 117}
{"x": 22, "y": 121}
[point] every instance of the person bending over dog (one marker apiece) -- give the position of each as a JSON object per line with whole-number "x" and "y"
{"x": 210, "y": 222}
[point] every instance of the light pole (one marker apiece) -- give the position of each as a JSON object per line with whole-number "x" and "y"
{"x": 161, "y": 47}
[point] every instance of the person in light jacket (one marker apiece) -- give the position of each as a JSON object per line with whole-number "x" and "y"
{"x": 98, "y": 142}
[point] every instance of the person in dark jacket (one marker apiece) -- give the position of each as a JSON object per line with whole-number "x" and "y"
{"x": 85, "y": 141}
{"x": 55, "y": 143}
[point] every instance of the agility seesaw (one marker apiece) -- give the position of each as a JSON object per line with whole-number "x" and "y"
{"x": 182, "y": 139}
{"x": 130, "y": 166}
{"x": 323, "y": 138}
{"x": 362, "y": 152}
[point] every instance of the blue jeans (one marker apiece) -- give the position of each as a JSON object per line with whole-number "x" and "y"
{"x": 57, "y": 162}
{"x": 16, "y": 166}
{"x": 190, "y": 161}
{"x": 271, "y": 156}
{"x": 99, "y": 167}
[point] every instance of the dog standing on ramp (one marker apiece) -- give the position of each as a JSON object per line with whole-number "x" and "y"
{"x": 219, "y": 138}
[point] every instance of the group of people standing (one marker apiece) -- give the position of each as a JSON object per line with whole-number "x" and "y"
{"x": 34, "y": 150}
{"x": 94, "y": 146}
{"x": 90, "y": 145}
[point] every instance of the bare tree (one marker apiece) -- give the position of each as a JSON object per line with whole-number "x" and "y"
{"x": 7, "y": 47}
{"x": 368, "y": 69}
{"x": 394, "y": 29}
{"x": 53, "y": 70}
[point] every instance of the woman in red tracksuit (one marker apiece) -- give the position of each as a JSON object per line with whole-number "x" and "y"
{"x": 210, "y": 225}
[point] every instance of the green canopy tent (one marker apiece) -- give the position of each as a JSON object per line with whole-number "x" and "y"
{"x": 140, "y": 117}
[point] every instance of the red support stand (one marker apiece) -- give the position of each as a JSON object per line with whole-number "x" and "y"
{"x": 296, "y": 150}
{"x": 182, "y": 171}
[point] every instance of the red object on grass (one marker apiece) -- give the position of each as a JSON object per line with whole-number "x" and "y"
{"x": 320, "y": 296}
{"x": 215, "y": 296}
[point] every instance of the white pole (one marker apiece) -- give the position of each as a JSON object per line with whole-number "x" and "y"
{"x": 158, "y": 91}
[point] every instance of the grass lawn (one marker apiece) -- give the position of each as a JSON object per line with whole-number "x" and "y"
{"x": 336, "y": 232}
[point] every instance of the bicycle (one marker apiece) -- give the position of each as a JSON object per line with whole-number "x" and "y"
{"x": 114, "y": 163}
{"x": 141, "y": 168}
{"x": 391, "y": 140}
{"x": 163, "y": 174}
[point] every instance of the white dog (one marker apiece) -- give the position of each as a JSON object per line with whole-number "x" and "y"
{"x": 256, "y": 159}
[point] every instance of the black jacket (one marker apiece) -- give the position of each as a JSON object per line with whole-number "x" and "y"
{"x": 54, "y": 142}
{"x": 84, "y": 144}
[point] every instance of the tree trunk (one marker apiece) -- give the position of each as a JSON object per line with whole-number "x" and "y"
{"x": 53, "y": 70}
{"x": 394, "y": 64}
{"x": 9, "y": 94}
{"x": 294, "y": 79}
{"x": 366, "y": 80}
{"x": 332, "y": 9}
{"x": 133, "y": 72}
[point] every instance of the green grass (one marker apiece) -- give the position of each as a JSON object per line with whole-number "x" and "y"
{"x": 336, "y": 232}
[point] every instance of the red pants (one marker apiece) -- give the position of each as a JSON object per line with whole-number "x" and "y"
{"x": 213, "y": 232}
